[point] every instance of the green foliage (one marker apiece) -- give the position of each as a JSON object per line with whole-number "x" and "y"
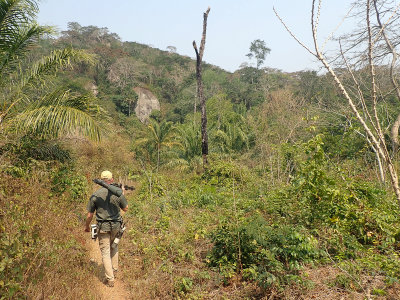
{"x": 345, "y": 214}
{"x": 371, "y": 262}
{"x": 189, "y": 138}
{"x": 27, "y": 149}
{"x": 339, "y": 202}
{"x": 159, "y": 135}
{"x": 259, "y": 51}
{"x": 272, "y": 199}
{"x": 271, "y": 255}
{"x": 246, "y": 88}
{"x": 228, "y": 129}
{"x": 26, "y": 107}
{"x": 156, "y": 115}
{"x": 166, "y": 88}
{"x": 343, "y": 142}
{"x": 317, "y": 89}
{"x": 124, "y": 104}
{"x": 66, "y": 180}
{"x": 15, "y": 171}
{"x": 183, "y": 285}
{"x": 58, "y": 114}
{"x": 153, "y": 185}
{"x": 87, "y": 37}
{"x": 18, "y": 32}
{"x": 16, "y": 249}
{"x": 223, "y": 173}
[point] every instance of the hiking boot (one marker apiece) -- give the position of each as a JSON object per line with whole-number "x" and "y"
{"x": 109, "y": 283}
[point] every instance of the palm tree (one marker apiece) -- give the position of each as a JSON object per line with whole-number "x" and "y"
{"x": 25, "y": 103}
{"x": 232, "y": 134}
{"x": 157, "y": 136}
{"x": 189, "y": 138}
{"x": 58, "y": 113}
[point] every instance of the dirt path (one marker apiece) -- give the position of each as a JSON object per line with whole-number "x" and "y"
{"x": 119, "y": 291}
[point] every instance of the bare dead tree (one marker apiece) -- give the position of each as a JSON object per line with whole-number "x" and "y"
{"x": 362, "y": 104}
{"x": 391, "y": 48}
{"x": 200, "y": 93}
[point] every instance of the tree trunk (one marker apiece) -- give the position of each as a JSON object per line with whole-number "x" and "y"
{"x": 195, "y": 105}
{"x": 392, "y": 50}
{"x": 158, "y": 157}
{"x": 380, "y": 166}
{"x": 395, "y": 135}
{"x": 200, "y": 94}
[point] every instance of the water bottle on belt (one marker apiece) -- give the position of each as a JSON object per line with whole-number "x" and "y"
{"x": 118, "y": 236}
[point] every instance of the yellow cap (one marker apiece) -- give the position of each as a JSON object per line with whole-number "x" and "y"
{"x": 106, "y": 175}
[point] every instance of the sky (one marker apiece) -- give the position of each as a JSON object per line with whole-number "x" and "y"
{"x": 232, "y": 26}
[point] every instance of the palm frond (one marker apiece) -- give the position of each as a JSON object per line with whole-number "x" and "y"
{"x": 17, "y": 46}
{"x": 177, "y": 164}
{"x": 140, "y": 142}
{"x": 16, "y": 12}
{"x": 189, "y": 137}
{"x": 54, "y": 121}
{"x": 56, "y": 60}
{"x": 18, "y": 9}
{"x": 222, "y": 140}
{"x": 18, "y": 31}
{"x": 154, "y": 129}
{"x": 56, "y": 97}
{"x": 59, "y": 113}
{"x": 171, "y": 144}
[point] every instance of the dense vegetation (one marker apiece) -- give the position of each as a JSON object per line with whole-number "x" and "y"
{"x": 291, "y": 204}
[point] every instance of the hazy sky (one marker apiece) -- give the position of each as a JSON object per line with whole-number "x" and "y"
{"x": 232, "y": 26}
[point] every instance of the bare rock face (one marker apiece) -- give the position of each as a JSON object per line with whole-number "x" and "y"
{"x": 94, "y": 89}
{"x": 147, "y": 102}
{"x": 91, "y": 86}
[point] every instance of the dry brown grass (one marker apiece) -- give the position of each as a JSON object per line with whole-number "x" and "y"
{"x": 111, "y": 154}
{"x": 53, "y": 261}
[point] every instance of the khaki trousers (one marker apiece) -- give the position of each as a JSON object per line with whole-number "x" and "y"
{"x": 108, "y": 254}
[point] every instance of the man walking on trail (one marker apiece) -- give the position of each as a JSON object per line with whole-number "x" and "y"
{"x": 107, "y": 202}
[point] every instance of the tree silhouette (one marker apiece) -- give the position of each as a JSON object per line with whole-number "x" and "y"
{"x": 259, "y": 51}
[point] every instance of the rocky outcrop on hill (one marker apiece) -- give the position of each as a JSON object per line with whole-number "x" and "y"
{"x": 94, "y": 89}
{"x": 146, "y": 103}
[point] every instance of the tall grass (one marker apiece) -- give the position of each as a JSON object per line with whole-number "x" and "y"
{"x": 43, "y": 255}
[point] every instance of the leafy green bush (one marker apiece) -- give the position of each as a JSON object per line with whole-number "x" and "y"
{"x": 66, "y": 180}
{"x": 17, "y": 249}
{"x": 16, "y": 171}
{"x": 271, "y": 255}
{"x": 322, "y": 196}
{"x": 343, "y": 142}
{"x": 42, "y": 150}
{"x": 183, "y": 285}
{"x": 223, "y": 173}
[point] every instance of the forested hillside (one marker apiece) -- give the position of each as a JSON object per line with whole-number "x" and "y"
{"x": 297, "y": 200}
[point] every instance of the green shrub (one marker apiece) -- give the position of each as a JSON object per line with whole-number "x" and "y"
{"x": 223, "y": 173}
{"x": 42, "y": 150}
{"x": 66, "y": 180}
{"x": 272, "y": 255}
{"x": 17, "y": 248}
{"x": 152, "y": 185}
{"x": 16, "y": 171}
{"x": 323, "y": 198}
{"x": 183, "y": 285}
